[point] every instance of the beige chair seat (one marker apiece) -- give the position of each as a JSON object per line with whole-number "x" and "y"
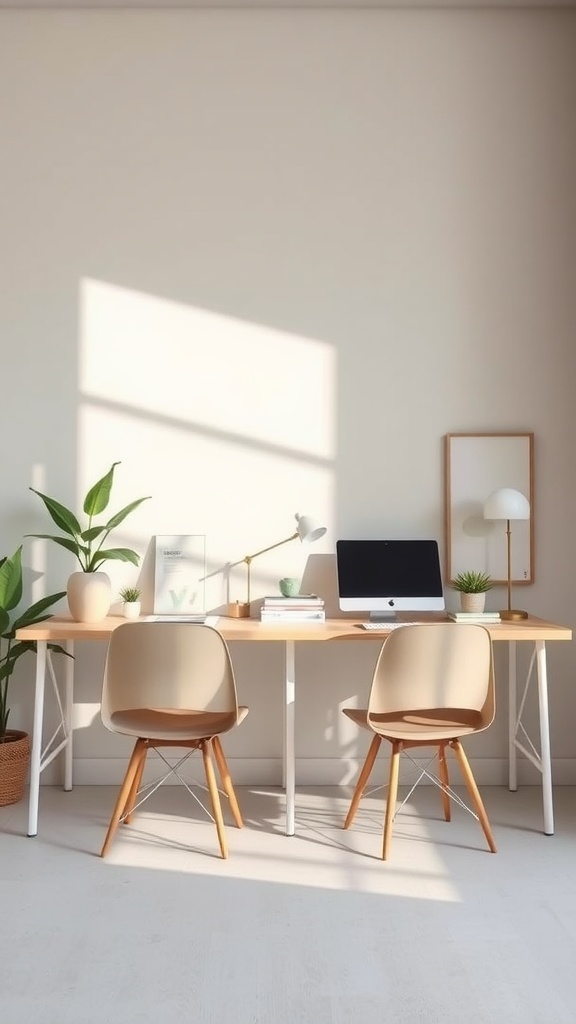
{"x": 175, "y": 723}
{"x": 425, "y": 725}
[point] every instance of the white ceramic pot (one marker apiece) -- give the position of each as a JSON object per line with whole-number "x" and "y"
{"x": 89, "y": 596}
{"x": 472, "y": 602}
{"x": 132, "y": 609}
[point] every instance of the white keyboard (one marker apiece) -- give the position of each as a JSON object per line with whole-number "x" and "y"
{"x": 386, "y": 625}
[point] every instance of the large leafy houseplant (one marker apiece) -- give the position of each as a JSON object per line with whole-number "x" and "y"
{"x": 87, "y": 544}
{"x": 10, "y": 620}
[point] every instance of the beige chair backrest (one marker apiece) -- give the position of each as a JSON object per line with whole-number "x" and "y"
{"x": 169, "y": 665}
{"x": 437, "y": 665}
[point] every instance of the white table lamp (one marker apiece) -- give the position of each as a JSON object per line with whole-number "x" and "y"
{"x": 307, "y": 530}
{"x": 506, "y": 503}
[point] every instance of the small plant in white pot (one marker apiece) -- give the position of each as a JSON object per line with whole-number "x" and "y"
{"x": 131, "y": 599}
{"x": 89, "y": 590}
{"x": 473, "y": 586}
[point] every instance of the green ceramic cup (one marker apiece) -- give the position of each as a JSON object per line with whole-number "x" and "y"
{"x": 289, "y": 586}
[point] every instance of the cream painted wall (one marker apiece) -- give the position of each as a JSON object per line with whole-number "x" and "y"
{"x": 267, "y": 259}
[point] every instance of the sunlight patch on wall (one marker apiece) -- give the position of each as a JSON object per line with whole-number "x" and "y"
{"x": 230, "y": 426}
{"x": 201, "y": 368}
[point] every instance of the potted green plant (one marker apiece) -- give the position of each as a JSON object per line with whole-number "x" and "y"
{"x": 473, "y": 586}
{"x": 89, "y": 590}
{"x": 15, "y": 744}
{"x": 131, "y": 598}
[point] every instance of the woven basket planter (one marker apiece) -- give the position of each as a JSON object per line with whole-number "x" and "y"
{"x": 14, "y": 761}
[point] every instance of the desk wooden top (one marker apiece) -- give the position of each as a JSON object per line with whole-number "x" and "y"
{"x": 61, "y": 627}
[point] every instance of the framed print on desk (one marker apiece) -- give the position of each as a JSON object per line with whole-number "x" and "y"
{"x": 179, "y": 568}
{"x": 475, "y": 465}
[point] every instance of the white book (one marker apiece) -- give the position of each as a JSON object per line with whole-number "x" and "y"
{"x": 302, "y": 615}
{"x": 317, "y": 606}
{"x": 308, "y": 620}
{"x": 474, "y": 616}
{"x": 206, "y": 620}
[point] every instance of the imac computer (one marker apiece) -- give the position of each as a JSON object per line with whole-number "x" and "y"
{"x": 383, "y": 577}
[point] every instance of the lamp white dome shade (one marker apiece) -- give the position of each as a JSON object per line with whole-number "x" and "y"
{"x": 506, "y": 503}
{"x": 308, "y": 529}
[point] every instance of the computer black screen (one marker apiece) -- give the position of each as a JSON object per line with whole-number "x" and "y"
{"x": 389, "y": 575}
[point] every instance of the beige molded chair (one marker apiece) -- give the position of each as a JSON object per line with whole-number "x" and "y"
{"x": 170, "y": 684}
{"x": 433, "y": 684}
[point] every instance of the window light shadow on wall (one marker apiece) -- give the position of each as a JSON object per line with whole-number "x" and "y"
{"x": 229, "y": 425}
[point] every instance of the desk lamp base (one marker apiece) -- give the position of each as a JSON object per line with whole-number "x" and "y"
{"x": 239, "y": 610}
{"x": 513, "y": 615}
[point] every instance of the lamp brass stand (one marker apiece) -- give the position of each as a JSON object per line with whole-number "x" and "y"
{"x": 241, "y": 609}
{"x": 506, "y": 504}
{"x": 510, "y": 614}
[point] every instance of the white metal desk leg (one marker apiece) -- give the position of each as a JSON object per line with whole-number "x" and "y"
{"x": 36, "y": 755}
{"x": 289, "y": 769}
{"x": 545, "y": 755}
{"x": 283, "y": 779}
{"x": 68, "y": 713}
{"x": 284, "y": 725}
{"x": 512, "y": 712}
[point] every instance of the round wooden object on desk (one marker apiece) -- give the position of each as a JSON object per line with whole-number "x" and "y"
{"x": 238, "y": 610}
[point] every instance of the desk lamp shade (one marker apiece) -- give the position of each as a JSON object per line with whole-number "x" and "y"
{"x": 507, "y": 503}
{"x": 307, "y": 531}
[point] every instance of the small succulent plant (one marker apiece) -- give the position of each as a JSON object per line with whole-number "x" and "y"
{"x": 472, "y": 582}
{"x": 130, "y": 594}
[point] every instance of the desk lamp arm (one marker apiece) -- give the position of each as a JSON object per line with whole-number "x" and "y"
{"x": 249, "y": 558}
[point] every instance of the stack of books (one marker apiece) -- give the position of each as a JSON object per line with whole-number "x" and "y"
{"x": 301, "y": 608}
{"x": 484, "y": 618}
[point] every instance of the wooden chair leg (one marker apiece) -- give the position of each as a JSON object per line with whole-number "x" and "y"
{"x": 443, "y": 773}
{"x": 392, "y": 796}
{"x": 125, "y": 789}
{"x": 214, "y": 796}
{"x": 128, "y": 812}
{"x": 474, "y": 793}
{"x": 226, "y": 780}
{"x": 363, "y": 779}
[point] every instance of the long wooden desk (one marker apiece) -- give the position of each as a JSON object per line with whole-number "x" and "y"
{"x": 63, "y": 630}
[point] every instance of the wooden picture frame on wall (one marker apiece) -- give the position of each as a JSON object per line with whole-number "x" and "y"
{"x": 474, "y": 466}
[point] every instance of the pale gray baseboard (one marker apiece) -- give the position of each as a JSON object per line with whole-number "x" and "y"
{"x": 247, "y": 771}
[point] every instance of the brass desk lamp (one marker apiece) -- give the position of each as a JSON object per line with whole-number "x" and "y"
{"x": 506, "y": 503}
{"x": 307, "y": 530}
